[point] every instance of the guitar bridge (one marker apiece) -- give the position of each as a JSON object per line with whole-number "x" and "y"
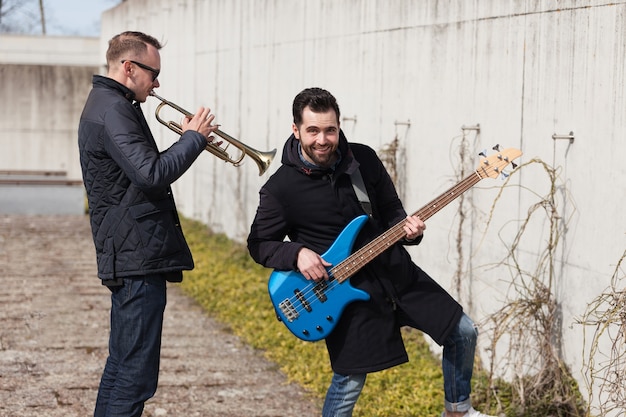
{"x": 288, "y": 310}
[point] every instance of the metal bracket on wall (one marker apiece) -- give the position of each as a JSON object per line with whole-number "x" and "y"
{"x": 475, "y": 127}
{"x": 349, "y": 119}
{"x": 570, "y": 137}
{"x": 406, "y": 123}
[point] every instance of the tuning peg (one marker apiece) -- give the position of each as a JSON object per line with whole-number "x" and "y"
{"x": 496, "y": 148}
{"x": 505, "y": 175}
{"x": 514, "y": 165}
{"x": 483, "y": 153}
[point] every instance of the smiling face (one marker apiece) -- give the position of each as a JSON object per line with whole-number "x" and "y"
{"x": 319, "y": 136}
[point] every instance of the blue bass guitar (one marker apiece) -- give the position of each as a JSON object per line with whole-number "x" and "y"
{"x": 311, "y": 310}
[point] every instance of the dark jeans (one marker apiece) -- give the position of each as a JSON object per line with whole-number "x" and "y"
{"x": 131, "y": 372}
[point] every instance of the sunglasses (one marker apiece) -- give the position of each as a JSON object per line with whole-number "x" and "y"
{"x": 155, "y": 72}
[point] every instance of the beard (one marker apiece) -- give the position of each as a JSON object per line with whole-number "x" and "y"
{"x": 322, "y": 156}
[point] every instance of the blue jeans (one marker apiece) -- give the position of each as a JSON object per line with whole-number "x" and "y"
{"x": 131, "y": 372}
{"x": 342, "y": 394}
{"x": 457, "y": 364}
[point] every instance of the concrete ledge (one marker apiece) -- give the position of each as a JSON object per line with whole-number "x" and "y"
{"x": 50, "y": 50}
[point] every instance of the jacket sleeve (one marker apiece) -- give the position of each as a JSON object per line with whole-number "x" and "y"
{"x": 131, "y": 146}
{"x": 266, "y": 241}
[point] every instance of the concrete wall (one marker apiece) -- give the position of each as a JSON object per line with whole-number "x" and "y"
{"x": 40, "y": 124}
{"x": 48, "y": 50}
{"x": 43, "y": 85}
{"x": 420, "y": 71}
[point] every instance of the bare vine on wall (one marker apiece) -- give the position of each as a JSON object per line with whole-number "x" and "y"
{"x": 393, "y": 158}
{"x": 605, "y": 362}
{"x": 466, "y": 154}
{"x": 529, "y": 323}
{"x": 389, "y": 157}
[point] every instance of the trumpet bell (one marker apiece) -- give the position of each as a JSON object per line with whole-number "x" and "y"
{"x": 263, "y": 160}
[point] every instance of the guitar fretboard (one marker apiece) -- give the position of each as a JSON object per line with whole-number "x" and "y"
{"x": 352, "y": 264}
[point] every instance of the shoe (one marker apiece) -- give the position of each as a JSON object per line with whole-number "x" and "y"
{"x": 471, "y": 413}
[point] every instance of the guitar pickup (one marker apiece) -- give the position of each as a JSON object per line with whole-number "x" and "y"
{"x": 288, "y": 310}
{"x": 302, "y": 299}
{"x": 319, "y": 291}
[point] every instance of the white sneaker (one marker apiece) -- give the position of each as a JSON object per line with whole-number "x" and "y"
{"x": 471, "y": 413}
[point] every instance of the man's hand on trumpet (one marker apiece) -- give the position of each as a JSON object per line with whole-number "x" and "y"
{"x": 201, "y": 122}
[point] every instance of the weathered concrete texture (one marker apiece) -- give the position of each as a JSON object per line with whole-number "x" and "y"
{"x": 54, "y": 332}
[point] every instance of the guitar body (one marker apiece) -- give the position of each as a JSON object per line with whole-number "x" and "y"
{"x": 311, "y": 310}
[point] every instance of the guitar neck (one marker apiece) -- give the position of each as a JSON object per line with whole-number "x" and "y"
{"x": 352, "y": 264}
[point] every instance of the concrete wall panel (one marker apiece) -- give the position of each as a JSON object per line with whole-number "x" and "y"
{"x": 42, "y": 106}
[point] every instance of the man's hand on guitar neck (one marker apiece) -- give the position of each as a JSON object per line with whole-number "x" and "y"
{"x": 311, "y": 265}
{"x": 414, "y": 228}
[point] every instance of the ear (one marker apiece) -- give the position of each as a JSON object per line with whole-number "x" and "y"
{"x": 295, "y": 131}
{"x": 127, "y": 69}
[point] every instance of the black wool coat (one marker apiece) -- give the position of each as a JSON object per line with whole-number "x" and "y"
{"x": 134, "y": 222}
{"x": 311, "y": 207}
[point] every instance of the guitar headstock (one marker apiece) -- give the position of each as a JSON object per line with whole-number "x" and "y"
{"x": 493, "y": 166}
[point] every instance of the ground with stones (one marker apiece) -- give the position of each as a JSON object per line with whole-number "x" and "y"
{"x": 53, "y": 338}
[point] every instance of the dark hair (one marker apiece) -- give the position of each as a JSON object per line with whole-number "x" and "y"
{"x": 318, "y": 99}
{"x": 135, "y": 43}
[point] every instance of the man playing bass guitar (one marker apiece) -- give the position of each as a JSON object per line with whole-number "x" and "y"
{"x": 310, "y": 200}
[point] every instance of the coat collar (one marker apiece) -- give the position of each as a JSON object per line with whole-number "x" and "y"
{"x": 102, "y": 81}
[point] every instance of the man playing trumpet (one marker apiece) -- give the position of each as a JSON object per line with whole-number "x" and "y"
{"x": 137, "y": 235}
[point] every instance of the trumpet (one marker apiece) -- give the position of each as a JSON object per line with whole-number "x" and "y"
{"x": 262, "y": 159}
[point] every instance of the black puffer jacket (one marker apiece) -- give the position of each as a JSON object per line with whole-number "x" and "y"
{"x": 133, "y": 216}
{"x": 312, "y": 207}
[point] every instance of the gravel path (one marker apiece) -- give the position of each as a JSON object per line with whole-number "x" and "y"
{"x": 54, "y": 333}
